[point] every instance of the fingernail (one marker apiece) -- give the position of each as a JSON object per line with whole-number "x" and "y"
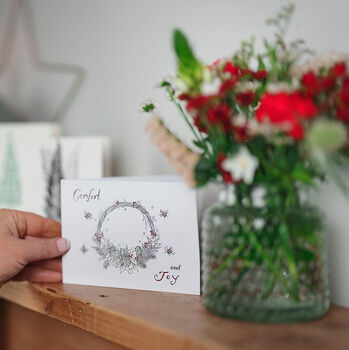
{"x": 62, "y": 245}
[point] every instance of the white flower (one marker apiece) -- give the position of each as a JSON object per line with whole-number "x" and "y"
{"x": 228, "y": 195}
{"x": 325, "y": 60}
{"x": 258, "y": 197}
{"x": 258, "y": 223}
{"x": 244, "y": 86}
{"x": 241, "y": 166}
{"x": 239, "y": 121}
{"x": 275, "y": 88}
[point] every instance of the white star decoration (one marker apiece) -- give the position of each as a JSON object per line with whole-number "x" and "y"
{"x": 241, "y": 166}
{"x": 32, "y": 88}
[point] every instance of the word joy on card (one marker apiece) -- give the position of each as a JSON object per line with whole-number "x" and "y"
{"x": 138, "y": 233}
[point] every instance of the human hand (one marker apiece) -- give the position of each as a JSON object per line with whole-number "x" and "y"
{"x": 30, "y": 247}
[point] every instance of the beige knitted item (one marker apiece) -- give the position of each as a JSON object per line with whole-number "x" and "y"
{"x": 182, "y": 159}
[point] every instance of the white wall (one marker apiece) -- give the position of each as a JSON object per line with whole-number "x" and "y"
{"x": 125, "y": 49}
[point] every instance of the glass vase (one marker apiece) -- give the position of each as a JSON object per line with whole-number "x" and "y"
{"x": 264, "y": 264}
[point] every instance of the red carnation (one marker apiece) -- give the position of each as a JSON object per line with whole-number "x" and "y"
{"x": 328, "y": 83}
{"x": 261, "y": 74}
{"x": 346, "y": 82}
{"x": 287, "y": 111}
{"x": 339, "y": 69}
{"x": 245, "y": 98}
{"x": 303, "y": 106}
{"x": 310, "y": 83}
{"x": 309, "y": 80}
{"x": 343, "y": 113}
{"x": 184, "y": 97}
{"x": 297, "y": 132}
{"x": 246, "y": 71}
{"x": 227, "y": 85}
{"x": 233, "y": 70}
{"x": 344, "y": 93}
{"x": 241, "y": 134}
{"x": 220, "y": 115}
{"x": 198, "y": 102}
{"x": 276, "y": 108}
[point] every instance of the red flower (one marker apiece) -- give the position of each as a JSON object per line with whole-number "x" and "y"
{"x": 233, "y": 70}
{"x": 297, "y": 132}
{"x": 184, "y": 97}
{"x": 198, "y": 102}
{"x": 225, "y": 174}
{"x": 314, "y": 85}
{"x": 216, "y": 63}
{"x": 276, "y": 108}
{"x": 241, "y": 134}
{"x": 227, "y": 85}
{"x": 346, "y": 82}
{"x": 328, "y": 83}
{"x": 339, "y": 69}
{"x": 311, "y": 83}
{"x": 261, "y": 74}
{"x": 199, "y": 124}
{"x": 245, "y": 98}
{"x": 246, "y": 71}
{"x": 286, "y": 111}
{"x": 344, "y": 93}
{"x": 303, "y": 106}
{"x": 343, "y": 113}
{"x": 309, "y": 80}
{"x": 220, "y": 115}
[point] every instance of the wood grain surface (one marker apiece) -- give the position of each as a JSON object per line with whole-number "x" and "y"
{"x": 154, "y": 320}
{"x": 25, "y": 329}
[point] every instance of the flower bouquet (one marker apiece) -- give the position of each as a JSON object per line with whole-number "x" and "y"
{"x": 269, "y": 129}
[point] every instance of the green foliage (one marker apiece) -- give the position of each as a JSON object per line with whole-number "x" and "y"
{"x": 148, "y": 107}
{"x": 205, "y": 171}
{"x": 282, "y": 19}
{"x": 285, "y": 248}
{"x": 243, "y": 56}
{"x": 165, "y": 84}
{"x": 190, "y": 69}
{"x": 300, "y": 173}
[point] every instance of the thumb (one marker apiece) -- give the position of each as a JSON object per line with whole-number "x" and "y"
{"x": 43, "y": 248}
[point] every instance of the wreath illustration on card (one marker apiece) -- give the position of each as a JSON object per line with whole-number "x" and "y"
{"x": 126, "y": 258}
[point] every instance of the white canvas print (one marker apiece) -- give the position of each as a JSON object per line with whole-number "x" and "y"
{"x": 131, "y": 234}
{"x": 71, "y": 158}
{"x": 21, "y": 179}
{"x": 33, "y": 160}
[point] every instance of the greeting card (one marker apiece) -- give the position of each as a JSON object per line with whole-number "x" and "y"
{"x": 131, "y": 233}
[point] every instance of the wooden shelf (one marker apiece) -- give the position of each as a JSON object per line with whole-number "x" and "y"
{"x": 152, "y": 320}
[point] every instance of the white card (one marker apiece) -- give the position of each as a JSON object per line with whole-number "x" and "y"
{"x": 131, "y": 233}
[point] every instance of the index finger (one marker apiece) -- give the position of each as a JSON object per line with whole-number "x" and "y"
{"x": 36, "y": 225}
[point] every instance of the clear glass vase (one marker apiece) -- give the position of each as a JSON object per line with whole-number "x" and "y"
{"x": 264, "y": 264}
